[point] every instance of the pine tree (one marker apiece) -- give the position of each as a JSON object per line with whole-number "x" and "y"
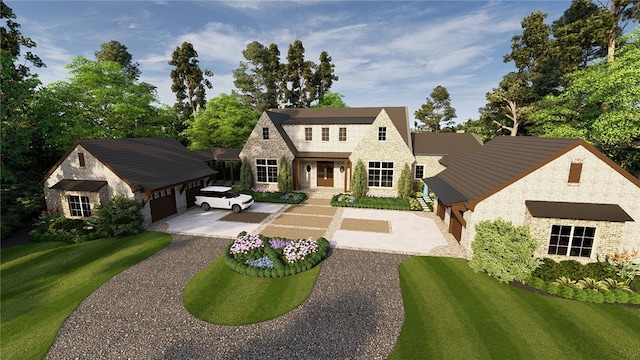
{"x": 285, "y": 178}
{"x": 246, "y": 175}
{"x": 189, "y": 80}
{"x": 404, "y": 183}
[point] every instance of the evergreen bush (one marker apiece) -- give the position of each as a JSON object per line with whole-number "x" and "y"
{"x": 405, "y": 189}
{"x": 119, "y": 217}
{"x": 359, "y": 180}
{"x": 246, "y": 175}
{"x": 504, "y": 251}
{"x": 285, "y": 177}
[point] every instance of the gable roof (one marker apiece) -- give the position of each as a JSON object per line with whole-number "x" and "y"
{"x": 145, "y": 163}
{"x": 499, "y": 163}
{"x": 339, "y": 116}
{"x": 444, "y": 143}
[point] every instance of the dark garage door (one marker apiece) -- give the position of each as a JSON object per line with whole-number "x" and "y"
{"x": 192, "y": 191}
{"x": 163, "y": 204}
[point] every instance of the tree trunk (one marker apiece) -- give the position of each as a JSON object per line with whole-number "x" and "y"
{"x": 611, "y": 44}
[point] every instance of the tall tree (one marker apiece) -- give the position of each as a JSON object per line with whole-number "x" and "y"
{"x": 299, "y": 77}
{"x": 225, "y": 122}
{"x": 601, "y": 106}
{"x": 436, "y": 110}
{"x": 189, "y": 81}
{"x": 258, "y": 79}
{"x": 324, "y": 76}
{"x": 115, "y": 51}
{"x": 621, "y": 12}
{"x": 509, "y": 103}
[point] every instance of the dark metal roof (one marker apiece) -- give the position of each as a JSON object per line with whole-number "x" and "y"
{"x": 218, "y": 154}
{"x": 324, "y": 155}
{"x": 364, "y": 115}
{"x": 445, "y": 192}
{"x": 444, "y": 143}
{"x": 500, "y": 162}
{"x": 79, "y": 185}
{"x": 577, "y": 211}
{"x": 149, "y": 163}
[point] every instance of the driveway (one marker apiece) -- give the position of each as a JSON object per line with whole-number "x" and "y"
{"x": 391, "y": 231}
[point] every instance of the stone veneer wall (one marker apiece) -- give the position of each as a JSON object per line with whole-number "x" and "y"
{"x": 431, "y": 164}
{"x": 607, "y": 237}
{"x": 257, "y": 148}
{"x": 394, "y": 149}
{"x": 355, "y": 133}
{"x": 599, "y": 183}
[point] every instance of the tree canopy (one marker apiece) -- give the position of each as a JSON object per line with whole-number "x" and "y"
{"x": 189, "y": 81}
{"x": 436, "y": 110}
{"x": 115, "y": 51}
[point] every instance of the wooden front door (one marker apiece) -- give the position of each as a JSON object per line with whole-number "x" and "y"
{"x": 325, "y": 173}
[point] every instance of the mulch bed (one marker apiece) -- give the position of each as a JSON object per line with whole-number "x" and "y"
{"x": 381, "y": 226}
{"x": 311, "y": 210}
{"x": 305, "y": 221}
{"x": 246, "y": 216}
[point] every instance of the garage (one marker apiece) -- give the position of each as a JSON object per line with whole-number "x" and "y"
{"x": 163, "y": 204}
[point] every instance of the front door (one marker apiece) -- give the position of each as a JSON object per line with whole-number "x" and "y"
{"x": 325, "y": 173}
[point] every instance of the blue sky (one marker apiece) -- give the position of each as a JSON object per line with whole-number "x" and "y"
{"x": 386, "y": 53}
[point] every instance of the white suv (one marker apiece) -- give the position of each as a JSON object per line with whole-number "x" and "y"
{"x": 222, "y": 197}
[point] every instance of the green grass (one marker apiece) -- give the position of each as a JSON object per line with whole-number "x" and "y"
{"x": 453, "y": 313}
{"x": 221, "y": 296}
{"x": 43, "y": 283}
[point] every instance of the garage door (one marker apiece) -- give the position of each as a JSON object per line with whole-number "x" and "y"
{"x": 163, "y": 204}
{"x": 455, "y": 227}
{"x": 192, "y": 191}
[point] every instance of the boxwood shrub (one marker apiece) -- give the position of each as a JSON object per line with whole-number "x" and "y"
{"x": 550, "y": 270}
{"x": 372, "y": 202}
{"x": 281, "y": 267}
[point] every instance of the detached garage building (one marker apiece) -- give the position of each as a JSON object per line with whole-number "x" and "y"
{"x": 159, "y": 172}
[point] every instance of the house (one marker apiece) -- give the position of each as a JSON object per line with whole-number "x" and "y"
{"x": 323, "y": 146}
{"x": 226, "y": 161}
{"x": 159, "y": 172}
{"x": 574, "y": 199}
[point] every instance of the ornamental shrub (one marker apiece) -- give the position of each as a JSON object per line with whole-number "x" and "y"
{"x": 359, "y": 180}
{"x": 595, "y": 297}
{"x": 582, "y": 294}
{"x": 405, "y": 190}
{"x": 246, "y": 175}
{"x": 285, "y": 177}
{"x": 549, "y": 270}
{"x": 609, "y": 297}
{"x": 119, "y": 217}
{"x": 504, "y": 251}
{"x": 634, "y": 298}
{"x": 566, "y": 292}
{"x": 621, "y": 296}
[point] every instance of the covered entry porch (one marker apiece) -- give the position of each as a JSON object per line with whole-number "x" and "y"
{"x": 322, "y": 171}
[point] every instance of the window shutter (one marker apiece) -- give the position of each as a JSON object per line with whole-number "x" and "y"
{"x": 574, "y": 173}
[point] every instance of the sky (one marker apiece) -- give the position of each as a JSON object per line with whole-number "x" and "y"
{"x": 386, "y": 53}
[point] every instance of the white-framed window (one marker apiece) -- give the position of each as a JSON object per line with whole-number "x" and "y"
{"x": 325, "y": 134}
{"x": 571, "y": 240}
{"x": 79, "y": 205}
{"x": 265, "y": 133}
{"x": 419, "y": 171}
{"x": 342, "y": 134}
{"x": 267, "y": 170}
{"x": 382, "y": 133}
{"x": 380, "y": 174}
{"x": 308, "y": 134}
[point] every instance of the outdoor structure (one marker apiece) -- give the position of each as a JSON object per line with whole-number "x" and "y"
{"x": 574, "y": 199}
{"x": 225, "y": 161}
{"x": 159, "y": 172}
{"x": 323, "y": 146}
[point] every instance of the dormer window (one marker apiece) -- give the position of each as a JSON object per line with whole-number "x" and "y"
{"x": 265, "y": 133}
{"x": 574, "y": 173}
{"x": 81, "y": 159}
{"x": 382, "y": 133}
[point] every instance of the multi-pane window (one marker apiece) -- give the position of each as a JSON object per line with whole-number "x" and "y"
{"x": 267, "y": 170}
{"x": 79, "y": 205}
{"x": 325, "y": 134}
{"x": 571, "y": 240}
{"x": 382, "y": 133}
{"x": 380, "y": 174}
{"x": 308, "y": 134}
{"x": 342, "y": 134}
{"x": 265, "y": 133}
{"x": 419, "y": 171}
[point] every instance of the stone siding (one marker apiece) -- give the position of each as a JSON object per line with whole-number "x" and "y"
{"x": 431, "y": 164}
{"x": 599, "y": 183}
{"x": 257, "y": 148}
{"x": 355, "y": 133}
{"x": 393, "y": 149}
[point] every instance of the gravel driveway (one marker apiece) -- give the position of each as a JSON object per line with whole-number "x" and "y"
{"x": 354, "y": 312}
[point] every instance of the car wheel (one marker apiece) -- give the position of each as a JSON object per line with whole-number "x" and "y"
{"x": 205, "y": 206}
{"x": 236, "y": 208}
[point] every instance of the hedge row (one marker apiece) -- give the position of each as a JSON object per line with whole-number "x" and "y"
{"x": 588, "y": 295}
{"x": 550, "y": 270}
{"x": 371, "y": 202}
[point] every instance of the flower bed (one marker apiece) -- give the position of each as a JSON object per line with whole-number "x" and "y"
{"x": 375, "y": 202}
{"x": 261, "y": 256}
{"x": 266, "y": 195}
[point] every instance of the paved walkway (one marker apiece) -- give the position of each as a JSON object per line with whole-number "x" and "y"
{"x": 390, "y": 231}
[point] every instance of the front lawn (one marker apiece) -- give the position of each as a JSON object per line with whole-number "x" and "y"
{"x": 453, "y": 313}
{"x": 222, "y": 296}
{"x": 43, "y": 283}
